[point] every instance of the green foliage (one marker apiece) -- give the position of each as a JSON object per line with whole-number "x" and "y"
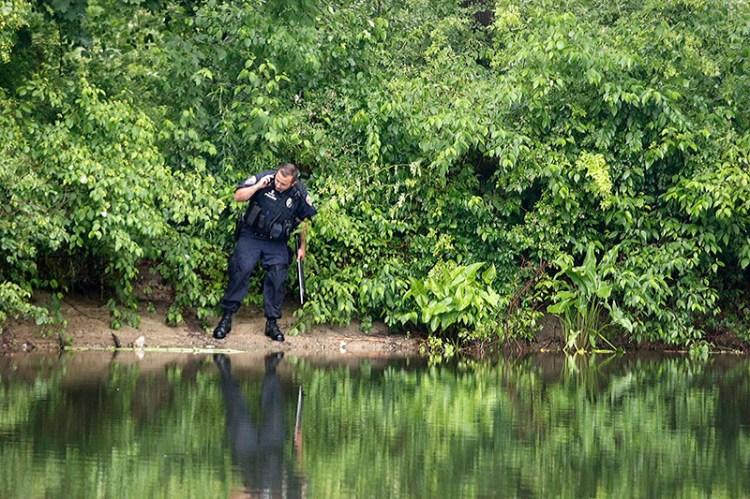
{"x": 13, "y": 303}
{"x": 583, "y": 299}
{"x": 12, "y": 18}
{"x": 455, "y": 297}
{"x": 424, "y": 138}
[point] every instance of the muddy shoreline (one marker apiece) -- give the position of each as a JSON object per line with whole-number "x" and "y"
{"x": 88, "y": 328}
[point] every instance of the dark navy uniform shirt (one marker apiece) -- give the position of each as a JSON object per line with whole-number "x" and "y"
{"x": 274, "y": 215}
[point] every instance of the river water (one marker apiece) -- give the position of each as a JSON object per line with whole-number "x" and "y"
{"x": 91, "y": 424}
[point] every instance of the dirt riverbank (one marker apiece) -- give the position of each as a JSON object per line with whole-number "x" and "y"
{"x": 88, "y": 327}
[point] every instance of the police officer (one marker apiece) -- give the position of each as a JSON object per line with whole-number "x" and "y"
{"x": 278, "y": 203}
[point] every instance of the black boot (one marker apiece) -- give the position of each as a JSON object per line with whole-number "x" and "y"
{"x": 273, "y": 331}
{"x": 225, "y": 325}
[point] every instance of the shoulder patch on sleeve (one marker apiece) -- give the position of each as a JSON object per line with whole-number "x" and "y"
{"x": 252, "y": 180}
{"x": 308, "y": 200}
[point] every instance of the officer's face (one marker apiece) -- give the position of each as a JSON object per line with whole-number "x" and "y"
{"x": 281, "y": 182}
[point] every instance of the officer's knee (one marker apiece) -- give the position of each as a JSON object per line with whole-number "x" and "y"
{"x": 277, "y": 272}
{"x": 241, "y": 266}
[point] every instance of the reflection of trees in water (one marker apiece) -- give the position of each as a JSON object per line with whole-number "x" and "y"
{"x": 112, "y": 422}
{"x": 258, "y": 443}
{"x": 528, "y": 427}
{"x": 531, "y": 427}
{"x": 117, "y": 405}
{"x": 732, "y": 412}
{"x": 647, "y": 423}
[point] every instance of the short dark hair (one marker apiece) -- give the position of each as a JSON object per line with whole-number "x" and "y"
{"x": 289, "y": 170}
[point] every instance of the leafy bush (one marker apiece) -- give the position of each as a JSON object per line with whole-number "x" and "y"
{"x": 14, "y": 303}
{"x": 425, "y": 138}
{"x": 584, "y": 299}
{"x": 454, "y": 298}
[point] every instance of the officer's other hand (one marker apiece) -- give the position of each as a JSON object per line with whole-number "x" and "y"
{"x": 300, "y": 254}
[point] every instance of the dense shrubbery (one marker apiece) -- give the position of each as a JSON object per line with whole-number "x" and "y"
{"x": 437, "y": 149}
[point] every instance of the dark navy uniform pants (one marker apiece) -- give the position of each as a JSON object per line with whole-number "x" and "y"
{"x": 274, "y": 256}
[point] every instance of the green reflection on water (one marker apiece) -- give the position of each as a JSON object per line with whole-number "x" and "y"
{"x": 121, "y": 435}
{"x": 537, "y": 427}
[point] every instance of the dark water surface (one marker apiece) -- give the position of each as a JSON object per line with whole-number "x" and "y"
{"x": 92, "y": 425}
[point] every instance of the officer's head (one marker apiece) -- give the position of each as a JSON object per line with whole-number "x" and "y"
{"x": 285, "y": 177}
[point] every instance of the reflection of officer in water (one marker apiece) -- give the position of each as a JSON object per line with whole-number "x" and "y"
{"x": 259, "y": 450}
{"x": 278, "y": 203}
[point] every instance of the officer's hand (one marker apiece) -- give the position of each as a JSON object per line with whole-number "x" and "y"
{"x": 300, "y": 254}
{"x": 266, "y": 181}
